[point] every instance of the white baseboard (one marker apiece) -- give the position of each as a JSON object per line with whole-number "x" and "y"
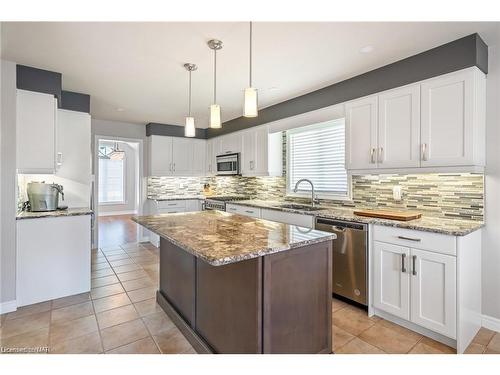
{"x": 491, "y": 323}
{"x": 144, "y": 239}
{"x": 112, "y": 213}
{"x": 8, "y": 306}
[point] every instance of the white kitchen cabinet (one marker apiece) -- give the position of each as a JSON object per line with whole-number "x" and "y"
{"x": 210, "y": 165}
{"x": 73, "y": 148}
{"x": 399, "y": 128}
{"x": 302, "y": 220}
{"x": 452, "y": 129}
{"x": 261, "y": 152}
{"x": 198, "y": 167}
{"x": 244, "y": 210}
{"x": 53, "y": 258}
{"x": 428, "y": 282}
{"x": 160, "y": 155}
{"x": 361, "y": 133}
{"x": 36, "y": 132}
{"x": 433, "y": 291}
{"x": 229, "y": 143}
{"x": 182, "y": 156}
{"x": 392, "y": 279}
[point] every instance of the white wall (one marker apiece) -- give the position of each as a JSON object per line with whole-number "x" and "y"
{"x": 491, "y": 233}
{"x": 8, "y": 182}
{"x": 131, "y": 177}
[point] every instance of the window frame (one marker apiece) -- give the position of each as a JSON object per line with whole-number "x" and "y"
{"x": 321, "y": 195}
{"x": 125, "y": 200}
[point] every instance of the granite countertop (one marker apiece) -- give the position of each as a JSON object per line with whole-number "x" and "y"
{"x": 453, "y": 227}
{"x": 177, "y": 198}
{"x": 222, "y": 238}
{"x": 59, "y": 213}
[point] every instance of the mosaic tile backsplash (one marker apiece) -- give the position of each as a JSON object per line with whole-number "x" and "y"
{"x": 442, "y": 195}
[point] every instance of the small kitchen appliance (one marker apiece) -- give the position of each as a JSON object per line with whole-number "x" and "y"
{"x": 228, "y": 164}
{"x": 44, "y": 197}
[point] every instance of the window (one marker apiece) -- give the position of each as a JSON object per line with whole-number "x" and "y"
{"x": 317, "y": 152}
{"x": 111, "y": 178}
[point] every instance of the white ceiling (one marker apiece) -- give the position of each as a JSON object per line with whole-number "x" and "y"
{"x": 138, "y": 66}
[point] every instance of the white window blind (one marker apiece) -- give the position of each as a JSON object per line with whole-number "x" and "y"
{"x": 317, "y": 152}
{"x": 111, "y": 181}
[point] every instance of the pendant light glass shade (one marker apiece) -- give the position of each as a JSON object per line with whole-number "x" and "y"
{"x": 250, "y": 105}
{"x": 215, "y": 121}
{"x": 189, "y": 128}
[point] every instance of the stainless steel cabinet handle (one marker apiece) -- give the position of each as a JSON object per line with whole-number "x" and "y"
{"x": 380, "y": 155}
{"x": 170, "y": 167}
{"x": 174, "y": 167}
{"x": 249, "y": 212}
{"x": 424, "y": 151}
{"x": 414, "y": 261}
{"x": 403, "y": 268}
{"x": 251, "y": 164}
{"x": 409, "y": 239}
{"x": 372, "y": 156}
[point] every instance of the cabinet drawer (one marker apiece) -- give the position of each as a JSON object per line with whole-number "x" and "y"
{"x": 436, "y": 242}
{"x": 243, "y": 210}
{"x": 288, "y": 218}
{"x": 171, "y": 204}
{"x": 171, "y": 210}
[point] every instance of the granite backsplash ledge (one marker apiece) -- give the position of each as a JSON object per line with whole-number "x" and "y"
{"x": 457, "y": 195}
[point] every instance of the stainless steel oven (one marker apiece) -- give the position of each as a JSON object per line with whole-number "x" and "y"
{"x": 228, "y": 164}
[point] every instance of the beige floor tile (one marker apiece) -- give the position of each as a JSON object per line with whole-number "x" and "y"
{"x": 142, "y": 294}
{"x": 103, "y": 281}
{"x": 357, "y": 346}
{"x": 71, "y": 300}
{"x": 29, "y": 310}
{"x": 494, "y": 343}
{"x": 143, "y": 346}
{"x": 132, "y": 245}
{"x": 102, "y": 273}
{"x": 66, "y": 330}
{"x": 100, "y": 266}
{"x": 172, "y": 342}
{"x": 99, "y": 260}
{"x": 491, "y": 351}
{"x": 401, "y": 330}
{"x": 152, "y": 267}
{"x": 88, "y": 344}
{"x": 484, "y": 336}
{"x": 123, "y": 334}
{"x": 121, "y": 262}
{"x": 105, "y": 291}
{"x": 132, "y": 275}
{"x": 474, "y": 348}
{"x": 147, "y": 307}
{"x": 154, "y": 276}
{"x": 73, "y": 312}
{"x": 353, "y": 321}
{"x": 32, "y": 339}
{"x": 116, "y": 316}
{"x": 127, "y": 268}
{"x": 110, "y": 248}
{"x": 435, "y": 345}
{"x": 118, "y": 257}
{"x": 111, "y": 302}
{"x": 147, "y": 261}
{"x": 158, "y": 323}
{"x": 138, "y": 284}
{"x": 110, "y": 253}
{"x": 390, "y": 340}
{"x": 338, "y": 304}
{"x": 29, "y": 323}
{"x": 340, "y": 337}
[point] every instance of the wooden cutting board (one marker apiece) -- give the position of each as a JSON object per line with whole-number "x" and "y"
{"x": 388, "y": 214}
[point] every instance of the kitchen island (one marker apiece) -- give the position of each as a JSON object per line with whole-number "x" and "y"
{"x": 235, "y": 284}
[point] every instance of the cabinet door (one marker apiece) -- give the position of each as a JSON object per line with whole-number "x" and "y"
{"x": 391, "y": 279}
{"x": 210, "y": 158}
{"x": 399, "y": 128}
{"x": 160, "y": 155}
{"x": 261, "y": 164}
{"x": 182, "y": 156}
{"x": 433, "y": 291}
{"x": 361, "y": 131}
{"x": 199, "y": 157}
{"x": 36, "y": 132}
{"x": 231, "y": 143}
{"x": 73, "y": 146}
{"x": 447, "y": 120}
{"x": 248, "y": 152}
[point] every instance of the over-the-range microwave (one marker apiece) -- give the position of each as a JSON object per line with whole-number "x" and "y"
{"x": 228, "y": 164}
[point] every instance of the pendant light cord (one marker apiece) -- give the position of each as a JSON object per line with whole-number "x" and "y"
{"x": 215, "y": 76}
{"x": 189, "y": 105}
{"x": 250, "y": 54}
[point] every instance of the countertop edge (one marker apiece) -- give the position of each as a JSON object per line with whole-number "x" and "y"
{"x": 51, "y": 214}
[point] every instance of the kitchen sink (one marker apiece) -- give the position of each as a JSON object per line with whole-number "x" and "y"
{"x": 301, "y": 207}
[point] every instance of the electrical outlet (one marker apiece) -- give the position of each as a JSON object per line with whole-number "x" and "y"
{"x": 396, "y": 193}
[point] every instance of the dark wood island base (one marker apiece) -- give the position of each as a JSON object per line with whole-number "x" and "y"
{"x": 276, "y": 303}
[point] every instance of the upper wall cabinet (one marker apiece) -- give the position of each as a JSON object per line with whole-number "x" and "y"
{"x": 453, "y": 119}
{"x": 261, "y": 152}
{"x": 36, "y": 132}
{"x": 436, "y": 124}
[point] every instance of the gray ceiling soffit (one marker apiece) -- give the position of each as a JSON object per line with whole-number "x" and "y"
{"x": 74, "y": 101}
{"x": 459, "y": 54}
{"x": 39, "y": 80}
{"x": 154, "y": 128}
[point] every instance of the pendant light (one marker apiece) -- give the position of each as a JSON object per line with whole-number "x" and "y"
{"x": 215, "y": 120}
{"x": 250, "y": 103}
{"x": 189, "y": 128}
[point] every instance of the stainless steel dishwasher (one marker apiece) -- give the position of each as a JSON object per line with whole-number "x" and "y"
{"x": 350, "y": 266}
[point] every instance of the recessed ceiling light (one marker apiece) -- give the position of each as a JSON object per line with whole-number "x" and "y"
{"x": 120, "y": 109}
{"x": 366, "y": 49}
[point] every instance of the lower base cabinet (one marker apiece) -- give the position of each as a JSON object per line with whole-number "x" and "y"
{"x": 432, "y": 281}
